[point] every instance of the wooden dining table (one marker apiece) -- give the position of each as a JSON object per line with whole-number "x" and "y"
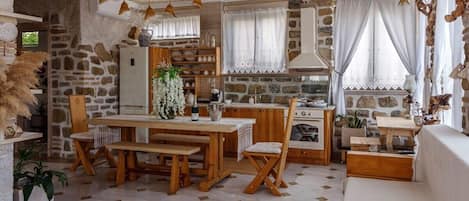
{"x": 214, "y": 129}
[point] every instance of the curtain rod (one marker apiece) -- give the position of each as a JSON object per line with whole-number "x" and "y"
{"x": 248, "y": 6}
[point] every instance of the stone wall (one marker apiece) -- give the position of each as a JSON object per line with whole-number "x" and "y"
{"x": 273, "y": 89}
{"x": 465, "y": 82}
{"x": 78, "y": 69}
{"x": 370, "y": 104}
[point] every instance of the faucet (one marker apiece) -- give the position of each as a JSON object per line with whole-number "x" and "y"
{"x": 255, "y": 95}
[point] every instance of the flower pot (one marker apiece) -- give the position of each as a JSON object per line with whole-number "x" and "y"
{"x": 351, "y": 132}
{"x": 38, "y": 194}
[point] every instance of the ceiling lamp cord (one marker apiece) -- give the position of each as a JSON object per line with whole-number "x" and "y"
{"x": 170, "y": 9}
{"x": 149, "y": 12}
{"x": 197, "y": 3}
{"x": 124, "y": 7}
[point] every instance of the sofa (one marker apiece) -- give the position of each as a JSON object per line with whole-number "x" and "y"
{"x": 441, "y": 172}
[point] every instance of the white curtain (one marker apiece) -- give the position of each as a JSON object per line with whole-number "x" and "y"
{"x": 176, "y": 27}
{"x": 401, "y": 24}
{"x": 350, "y": 20}
{"x": 448, "y": 54}
{"x": 254, "y": 41}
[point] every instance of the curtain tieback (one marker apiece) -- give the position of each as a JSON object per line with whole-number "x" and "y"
{"x": 338, "y": 73}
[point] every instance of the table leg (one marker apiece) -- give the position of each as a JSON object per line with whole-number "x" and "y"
{"x": 389, "y": 140}
{"x": 216, "y": 171}
{"x": 128, "y": 134}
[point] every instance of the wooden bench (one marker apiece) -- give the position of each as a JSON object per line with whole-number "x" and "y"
{"x": 201, "y": 141}
{"x": 175, "y": 151}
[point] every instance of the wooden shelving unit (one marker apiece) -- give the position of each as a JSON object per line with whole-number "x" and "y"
{"x": 200, "y": 69}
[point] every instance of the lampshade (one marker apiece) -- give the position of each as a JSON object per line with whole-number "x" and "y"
{"x": 410, "y": 84}
{"x": 124, "y": 8}
{"x": 149, "y": 12}
{"x": 170, "y": 10}
{"x": 197, "y": 3}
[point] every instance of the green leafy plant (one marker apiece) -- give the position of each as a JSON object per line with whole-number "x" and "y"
{"x": 38, "y": 176}
{"x": 165, "y": 72}
{"x": 352, "y": 121}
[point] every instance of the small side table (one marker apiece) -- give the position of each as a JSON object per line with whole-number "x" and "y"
{"x": 396, "y": 126}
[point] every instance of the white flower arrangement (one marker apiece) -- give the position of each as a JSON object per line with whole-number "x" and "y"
{"x": 168, "y": 93}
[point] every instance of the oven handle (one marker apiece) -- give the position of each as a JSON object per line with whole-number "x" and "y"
{"x": 313, "y": 120}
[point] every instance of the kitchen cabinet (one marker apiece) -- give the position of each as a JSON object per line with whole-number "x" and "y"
{"x": 268, "y": 128}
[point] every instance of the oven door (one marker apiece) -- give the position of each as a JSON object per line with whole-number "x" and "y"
{"x": 307, "y": 134}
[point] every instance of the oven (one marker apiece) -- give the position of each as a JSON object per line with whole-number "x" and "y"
{"x": 308, "y": 129}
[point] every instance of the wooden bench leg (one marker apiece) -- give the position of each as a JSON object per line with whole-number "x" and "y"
{"x": 132, "y": 164}
{"x": 83, "y": 155}
{"x": 110, "y": 158}
{"x": 185, "y": 171}
{"x": 174, "y": 179}
{"x": 120, "y": 173}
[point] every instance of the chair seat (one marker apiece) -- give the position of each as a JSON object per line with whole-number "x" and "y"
{"x": 82, "y": 136}
{"x": 266, "y": 147}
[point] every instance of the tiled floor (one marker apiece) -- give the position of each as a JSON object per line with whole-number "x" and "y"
{"x": 306, "y": 183}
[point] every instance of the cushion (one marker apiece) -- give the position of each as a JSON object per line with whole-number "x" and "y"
{"x": 360, "y": 189}
{"x": 266, "y": 147}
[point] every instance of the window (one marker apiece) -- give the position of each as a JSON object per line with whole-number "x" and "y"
{"x": 30, "y": 39}
{"x": 176, "y": 28}
{"x": 255, "y": 41}
{"x": 376, "y": 64}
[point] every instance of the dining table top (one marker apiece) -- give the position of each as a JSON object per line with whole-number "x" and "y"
{"x": 204, "y": 124}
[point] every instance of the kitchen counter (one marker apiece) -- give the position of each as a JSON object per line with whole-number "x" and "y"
{"x": 266, "y": 106}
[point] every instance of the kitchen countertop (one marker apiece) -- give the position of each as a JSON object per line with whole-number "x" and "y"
{"x": 266, "y": 106}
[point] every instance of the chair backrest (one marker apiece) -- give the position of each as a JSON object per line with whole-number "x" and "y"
{"x": 78, "y": 113}
{"x": 286, "y": 140}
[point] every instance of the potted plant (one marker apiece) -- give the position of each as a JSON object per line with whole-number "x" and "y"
{"x": 16, "y": 80}
{"x": 352, "y": 126}
{"x": 32, "y": 181}
{"x": 168, "y": 93}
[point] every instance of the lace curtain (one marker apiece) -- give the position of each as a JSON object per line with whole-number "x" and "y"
{"x": 176, "y": 27}
{"x": 376, "y": 63}
{"x": 255, "y": 41}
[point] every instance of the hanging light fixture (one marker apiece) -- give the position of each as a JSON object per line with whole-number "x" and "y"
{"x": 402, "y": 2}
{"x": 124, "y": 8}
{"x": 102, "y": 1}
{"x": 170, "y": 9}
{"x": 149, "y": 12}
{"x": 197, "y": 3}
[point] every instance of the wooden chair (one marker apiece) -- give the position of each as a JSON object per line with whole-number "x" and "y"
{"x": 269, "y": 159}
{"x": 83, "y": 138}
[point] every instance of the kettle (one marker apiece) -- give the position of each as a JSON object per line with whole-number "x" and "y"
{"x": 145, "y": 37}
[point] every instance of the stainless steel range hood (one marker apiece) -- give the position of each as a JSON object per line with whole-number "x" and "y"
{"x": 309, "y": 59}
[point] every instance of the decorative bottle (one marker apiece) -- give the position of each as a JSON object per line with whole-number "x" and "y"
{"x": 195, "y": 110}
